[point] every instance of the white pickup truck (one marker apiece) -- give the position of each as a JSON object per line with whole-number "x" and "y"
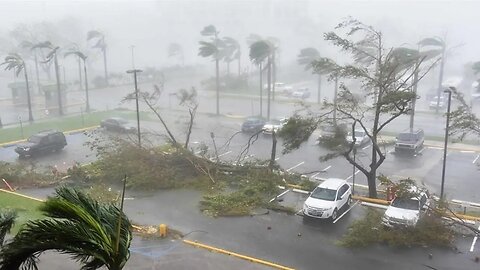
{"x": 405, "y": 212}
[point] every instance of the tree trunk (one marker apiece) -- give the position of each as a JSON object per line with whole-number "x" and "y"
{"x": 217, "y": 75}
{"x": 228, "y": 69}
{"x": 372, "y": 183}
{"x": 37, "y": 73}
{"x": 29, "y": 99}
{"x": 414, "y": 100}
{"x": 87, "y": 109}
{"x": 319, "y": 99}
{"x": 335, "y": 93}
{"x": 105, "y": 65}
{"x": 261, "y": 91}
{"x": 274, "y": 151}
{"x": 239, "y": 68}
{"x": 59, "y": 90}
{"x": 79, "y": 73}
{"x": 269, "y": 82}
{"x": 274, "y": 75}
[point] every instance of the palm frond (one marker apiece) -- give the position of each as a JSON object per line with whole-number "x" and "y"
{"x": 259, "y": 51}
{"x": 252, "y": 38}
{"x": 476, "y": 67}
{"x": 435, "y": 41}
{"x": 94, "y": 34}
{"x": 43, "y": 45}
{"x": 209, "y": 30}
{"x": 7, "y": 220}
{"x": 207, "y": 49}
{"x": 306, "y": 56}
{"x": 77, "y": 53}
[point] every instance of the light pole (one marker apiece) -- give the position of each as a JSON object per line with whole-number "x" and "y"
{"x": 135, "y": 71}
{"x": 449, "y": 91}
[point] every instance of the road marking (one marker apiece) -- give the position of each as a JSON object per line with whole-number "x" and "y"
{"x": 366, "y": 147}
{"x": 277, "y": 158}
{"x": 298, "y": 212}
{"x": 435, "y": 147}
{"x": 475, "y": 160}
{"x": 313, "y": 176}
{"x": 467, "y": 151}
{"x": 280, "y": 195}
{"x": 344, "y": 213}
{"x": 421, "y": 151}
{"x": 353, "y": 175}
{"x": 474, "y": 241}
{"x": 288, "y": 170}
{"x": 226, "y": 153}
{"x": 326, "y": 169}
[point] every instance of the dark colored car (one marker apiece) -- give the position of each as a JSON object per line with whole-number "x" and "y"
{"x": 118, "y": 124}
{"x": 410, "y": 141}
{"x": 253, "y": 124}
{"x": 42, "y": 142}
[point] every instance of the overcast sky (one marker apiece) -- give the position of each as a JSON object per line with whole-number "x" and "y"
{"x": 152, "y": 25}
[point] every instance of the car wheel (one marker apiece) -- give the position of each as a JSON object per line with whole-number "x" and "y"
{"x": 349, "y": 201}
{"x": 334, "y": 214}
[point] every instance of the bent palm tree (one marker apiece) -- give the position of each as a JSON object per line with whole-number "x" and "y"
{"x": 52, "y": 56}
{"x": 305, "y": 58}
{"x": 100, "y": 44}
{"x": 7, "y": 220}
{"x": 83, "y": 57}
{"x": 15, "y": 62}
{"x": 212, "y": 49}
{"x": 95, "y": 235}
{"x": 259, "y": 51}
{"x": 231, "y": 52}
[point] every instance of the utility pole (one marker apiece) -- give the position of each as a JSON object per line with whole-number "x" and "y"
{"x": 135, "y": 71}
{"x": 449, "y": 91}
{"x": 132, "y": 47}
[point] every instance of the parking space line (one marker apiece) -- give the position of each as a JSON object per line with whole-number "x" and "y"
{"x": 366, "y": 147}
{"x": 474, "y": 241}
{"x": 279, "y": 195}
{"x": 467, "y": 151}
{"x": 344, "y": 213}
{"x": 277, "y": 158}
{"x": 288, "y": 170}
{"x": 326, "y": 169}
{"x": 421, "y": 151}
{"x": 353, "y": 175}
{"x": 435, "y": 147}
{"x": 475, "y": 160}
{"x": 313, "y": 176}
{"x": 226, "y": 153}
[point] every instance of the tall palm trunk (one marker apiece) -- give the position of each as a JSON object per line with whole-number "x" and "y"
{"x": 440, "y": 79}
{"x": 335, "y": 102}
{"x": 261, "y": 90}
{"x": 274, "y": 75}
{"x": 414, "y": 100}
{"x": 87, "y": 109}
{"x": 217, "y": 82}
{"x": 29, "y": 99}
{"x": 319, "y": 89}
{"x": 269, "y": 82}
{"x": 105, "y": 65}
{"x": 80, "y": 73}
{"x": 239, "y": 68}
{"x": 37, "y": 73}
{"x": 59, "y": 90}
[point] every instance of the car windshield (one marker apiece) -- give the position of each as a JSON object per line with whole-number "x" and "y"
{"x": 324, "y": 194}
{"x": 274, "y": 122}
{"x": 35, "y": 139}
{"x": 406, "y": 137}
{"x": 404, "y": 203}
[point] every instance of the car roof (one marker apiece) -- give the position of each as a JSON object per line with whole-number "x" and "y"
{"x": 332, "y": 183}
{"x": 116, "y": 118}
{"x": 46, "y": 132}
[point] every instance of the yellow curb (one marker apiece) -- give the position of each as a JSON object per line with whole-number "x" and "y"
{"x": 462, "y": 216}
{"x": 365, "y": 199}
{"x": 12, "y": 142}
{"x": 295, "y": 186}
{"x": 234, "y": 116}
{"x": 219, "y": 250}
{"x": 81, "y": 129}
{"x": 21, "y": 195}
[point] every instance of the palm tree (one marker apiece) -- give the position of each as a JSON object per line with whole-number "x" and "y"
{"x": 96, "y": 235}
{"x": 15, "y": 62}
{"x": 305, "y": 58}
{"x": 231, "y": 51}
{"x": 28, "y": 45}
{"x": 100, "y": 44}
{"x": 52, "y": 56}
{"x": 212, "y": 49}
{"x": 83, "y": 57}
{"x": 176, "y": 50}
{"x": 75, "y": 47}
{"x": 259, "y": 51}
{"x": 7, "y": 220}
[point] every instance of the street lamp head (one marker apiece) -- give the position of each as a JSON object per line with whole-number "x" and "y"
{"x": 450, "y": 89}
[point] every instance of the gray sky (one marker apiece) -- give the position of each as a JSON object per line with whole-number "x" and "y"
{"x": 152, "y": 25}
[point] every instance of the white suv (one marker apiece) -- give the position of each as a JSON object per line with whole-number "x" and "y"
{"x": 405, "y": 212}
{"x": 327, "y": 199}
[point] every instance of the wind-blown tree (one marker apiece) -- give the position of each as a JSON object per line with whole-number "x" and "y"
{"x": 96, "y": 235}
{"x": 28, "y": 46}
{"x": 382, "y": 74}
{"x": 99, "y": 39}
{"x": 305, "y": 58}
{"x": 52, "y": 57}
{"x": 231, "y": 52}
{"x": 463, "y": 120}
{"x": 440, "y": 45}
{"x": 15, "y": 62}
{"x": 212, "y": 48}
{"x": 75, "y": 47}
{"x": 83, "y": 57}
{"x": 251, "y": 39}
{"x": 7, "y": 220}
{"x": 176, "y": 50}
{"x": 259, "y": 52}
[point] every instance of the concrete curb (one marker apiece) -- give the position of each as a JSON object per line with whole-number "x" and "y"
{"x": 21, "y": 195}
{"x": 240, "y": 256}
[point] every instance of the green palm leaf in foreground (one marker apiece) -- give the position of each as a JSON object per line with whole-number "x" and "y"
{"x": 75, "y": 225}
{"x": 7, "y": 220}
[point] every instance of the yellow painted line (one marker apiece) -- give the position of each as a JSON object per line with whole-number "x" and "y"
{"x": 462, "y": 216}
{"x": 295, "y": 186}
{"x": 12, "y": 142}
{"x": 81, "y": 129}
{"x": 248, "y": 258}
{"x": 370, "y": 200}
{"x": 21, "y": 195}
